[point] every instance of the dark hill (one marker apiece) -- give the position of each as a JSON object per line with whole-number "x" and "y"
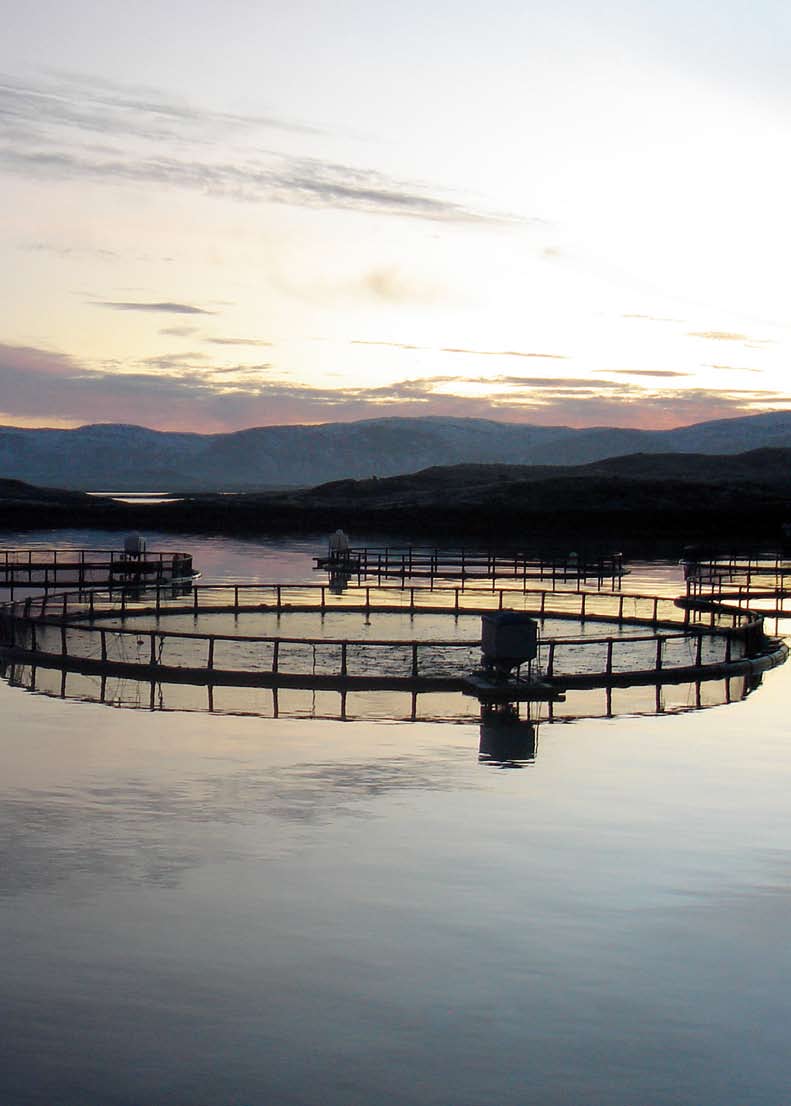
{"x": 630, "y": 502}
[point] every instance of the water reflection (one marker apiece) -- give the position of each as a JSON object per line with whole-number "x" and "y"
{"x": 219, "y": 910}
{"x": 144, "y": 831}
{"x": 507, "y": 741}
{"x": 505, "y": 727}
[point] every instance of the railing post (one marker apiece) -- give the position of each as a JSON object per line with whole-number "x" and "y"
{"x": 210, "y": 661}
{"x": 103, "y": 638}
{"x": 343, "y": 659}
{"x": 414, "y": 660}
{"x": 699, "y": 651}
{"x": 609, "y": 657}
{"x": 659, "y": 643}
{"x": 153, "y": 654}
{"x": 275, "y": 654}
{"x": 551, "y": 659}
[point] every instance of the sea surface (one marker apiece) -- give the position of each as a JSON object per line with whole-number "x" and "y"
{"x": 212, "y": 910}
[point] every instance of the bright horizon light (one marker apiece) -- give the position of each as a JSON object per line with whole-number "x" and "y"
{"x": 336, "y": 212}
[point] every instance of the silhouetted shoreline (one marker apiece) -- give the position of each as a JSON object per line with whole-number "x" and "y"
{"x": 643, "y": 516}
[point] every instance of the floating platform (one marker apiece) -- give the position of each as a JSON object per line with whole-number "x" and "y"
{"x": 351, "y": 565}
{"x": 488, "y": 690}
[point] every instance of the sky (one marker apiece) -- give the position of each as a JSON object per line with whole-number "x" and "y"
{"x": 216, "y": 216}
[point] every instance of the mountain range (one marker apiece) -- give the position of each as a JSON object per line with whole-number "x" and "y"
{"x": 116, "y": 457}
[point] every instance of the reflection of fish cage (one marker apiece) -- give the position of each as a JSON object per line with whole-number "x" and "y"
{"x": 506, "y": 740}
{"x": 508, "y": 733}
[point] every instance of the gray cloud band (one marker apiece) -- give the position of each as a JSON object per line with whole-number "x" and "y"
{"x": 48, "y": 131}
{"x": 175, "y": 394}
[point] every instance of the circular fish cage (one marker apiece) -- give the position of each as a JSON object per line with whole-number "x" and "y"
{"x": 237, "y": 640}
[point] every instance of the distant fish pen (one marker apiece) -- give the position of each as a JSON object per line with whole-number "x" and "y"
{"x": 411, "y": 563}
{"x": 89, "y": 568}
{"x": 763, "y": 583}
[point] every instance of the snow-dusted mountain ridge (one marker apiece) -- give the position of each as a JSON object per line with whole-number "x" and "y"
{"x": 120, "y": 456}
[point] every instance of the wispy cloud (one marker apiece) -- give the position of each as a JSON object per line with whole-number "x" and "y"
{"x": 391, "y": 345}
{"x": 180, "y": 393}
{"x": 557, "y": 383}
{"x": 719, "y": 335}
{"x": 179, "y": 331}
{"x": 104, "y": 108}
{"x": 69, "y": 251}
{"x": 462, "y": 350}
{"x": 733, "y": 368}
{"x": 643, "y": 372}
{"x": 49, "y": 130}
{"x": 651, "y": 318}
{"x": 238, "y": 341}
{"x": 502, "y": 353}
{"x": 164, "y": 308}
{"x": 171, "y": 362}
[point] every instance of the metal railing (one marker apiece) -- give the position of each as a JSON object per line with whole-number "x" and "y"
{"x": 58, "y": 568}
{"x": 688, "y": 634}
{"x": 434, "y": 563}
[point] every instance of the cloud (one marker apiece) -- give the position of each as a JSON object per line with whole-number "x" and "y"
{"x": 393, "y": 284}
{"x": 733, "y": 368}
{"x": 173, "y": 393}
{"x": 238, "y": 341}
{"x": 643, "y": 372}
{"x": 391, "y": 345}
{"x": 173, "y": 361}
{"x": 57, "y": 249}
{"x": 502, "y": 353}
{"x": 179, "y": 331}
{"x": 557, "y": 383}
{"x": 462, "y": 350}
{"x": 166, "y": 308}
{"x": 718, "y": 335}
{"x": 48, "y": 131}
{"x": 69, "y": 251}
{"x": 651, "y": 318}
{"x": 105, "y": 108}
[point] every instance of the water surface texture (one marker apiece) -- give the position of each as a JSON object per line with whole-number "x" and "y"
{"x": 208, "y": 910}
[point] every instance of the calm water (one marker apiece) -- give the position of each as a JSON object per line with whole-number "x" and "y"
{"x": 219, "y": 911}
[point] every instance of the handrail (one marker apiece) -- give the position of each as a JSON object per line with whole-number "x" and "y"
{"x": 588, "y": 605}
